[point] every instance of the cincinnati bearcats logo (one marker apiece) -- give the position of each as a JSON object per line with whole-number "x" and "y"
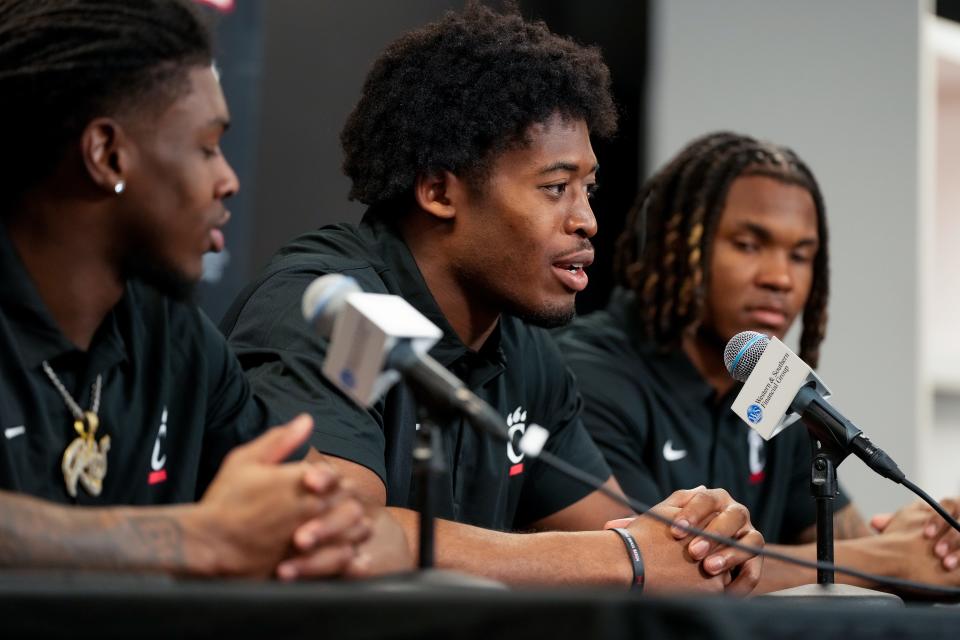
{"x": 158, "y": 461}
{"x": 757, "y": 458}
{"x": 516, "y": 426}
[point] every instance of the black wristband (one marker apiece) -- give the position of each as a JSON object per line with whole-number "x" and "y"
{"x": 633, "y": 552}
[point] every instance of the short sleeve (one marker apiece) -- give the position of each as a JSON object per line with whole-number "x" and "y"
{"x": 283, "y": 360}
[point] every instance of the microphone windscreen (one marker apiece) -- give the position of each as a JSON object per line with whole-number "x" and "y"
{"x": 743, "y": 352}
{"x": 324, "y": 298}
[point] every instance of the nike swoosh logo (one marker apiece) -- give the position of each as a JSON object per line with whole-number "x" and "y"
{"x": 672, "y": 455}
{"x": 13, "y": 432}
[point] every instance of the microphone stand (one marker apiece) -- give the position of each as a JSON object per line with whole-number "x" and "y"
{"x": 428, "y": 468}
{"x": 827, "y": 456}
{"x": 824, "y": 488}
{"x": 829, "y": 449}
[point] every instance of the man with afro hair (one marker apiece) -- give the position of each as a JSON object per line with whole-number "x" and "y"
{"x": 471, "y": 146}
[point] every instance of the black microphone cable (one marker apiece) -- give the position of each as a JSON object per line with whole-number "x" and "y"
{"x": 933, "y": 503}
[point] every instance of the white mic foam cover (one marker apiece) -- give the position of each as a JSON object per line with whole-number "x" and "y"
{"x": 324, "y": 299}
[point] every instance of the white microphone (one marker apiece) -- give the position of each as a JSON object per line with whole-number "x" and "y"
{"x": 363, "y": 328}
{"x": 779, "y": 388}
{"x": 765, "y": 400}
{"x": 377, "y": 338}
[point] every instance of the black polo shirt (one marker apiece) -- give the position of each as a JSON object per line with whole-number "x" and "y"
{"x": 518, "y": 371}
{"x": 662, "y": 428}
{"x": 173, "y": 398}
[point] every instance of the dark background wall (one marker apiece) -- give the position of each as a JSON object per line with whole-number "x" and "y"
{"x": 316, "y": 55}
{"x": 239, "y": 58}
{"x": 292, "y": 71}
{"x": 949, "y": 9}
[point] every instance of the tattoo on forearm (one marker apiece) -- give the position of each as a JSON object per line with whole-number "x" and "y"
{"x": 157, "y": 540}
{"x": 22, "y": 532}
{"x": 38, "y": 534}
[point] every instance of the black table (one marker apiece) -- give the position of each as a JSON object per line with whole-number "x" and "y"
{"x": 78, "y": 605}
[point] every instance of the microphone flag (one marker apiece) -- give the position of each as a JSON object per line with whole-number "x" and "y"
{"x": 764, "y": 401}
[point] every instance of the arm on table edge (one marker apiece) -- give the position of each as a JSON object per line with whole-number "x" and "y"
{"x": 515, "y": 558}
{"x": 39, "y": 534}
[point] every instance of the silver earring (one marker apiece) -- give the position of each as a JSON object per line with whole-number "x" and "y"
{"x": 119, "y": 187}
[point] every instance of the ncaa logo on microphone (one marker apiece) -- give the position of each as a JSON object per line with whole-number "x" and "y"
{"x": 347, "y": 378}
{"x": 754, "y": 413}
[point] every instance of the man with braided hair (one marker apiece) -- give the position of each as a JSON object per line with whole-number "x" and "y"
{"x": 471, "y": 146}
{"x": 730, "y": 235}
{"x": 116, "y": 394}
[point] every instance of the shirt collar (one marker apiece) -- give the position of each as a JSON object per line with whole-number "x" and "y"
{"x": 38, "y": 337}
{"x": 480, "y": 365}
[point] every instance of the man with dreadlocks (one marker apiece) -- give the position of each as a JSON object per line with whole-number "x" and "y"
{"x": 736, "y": 239}
{"x": 113, "y": 389}
{"x": 471, "y": 144}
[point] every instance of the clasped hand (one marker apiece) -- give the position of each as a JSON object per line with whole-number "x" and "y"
{"x": 262, "y": 516}
{"x": 677, "y": 560}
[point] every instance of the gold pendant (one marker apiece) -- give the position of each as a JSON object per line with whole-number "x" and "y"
{"x": 84, "y": 460}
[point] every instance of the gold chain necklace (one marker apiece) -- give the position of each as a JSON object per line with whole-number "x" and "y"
{"x": 84, "y": 460}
